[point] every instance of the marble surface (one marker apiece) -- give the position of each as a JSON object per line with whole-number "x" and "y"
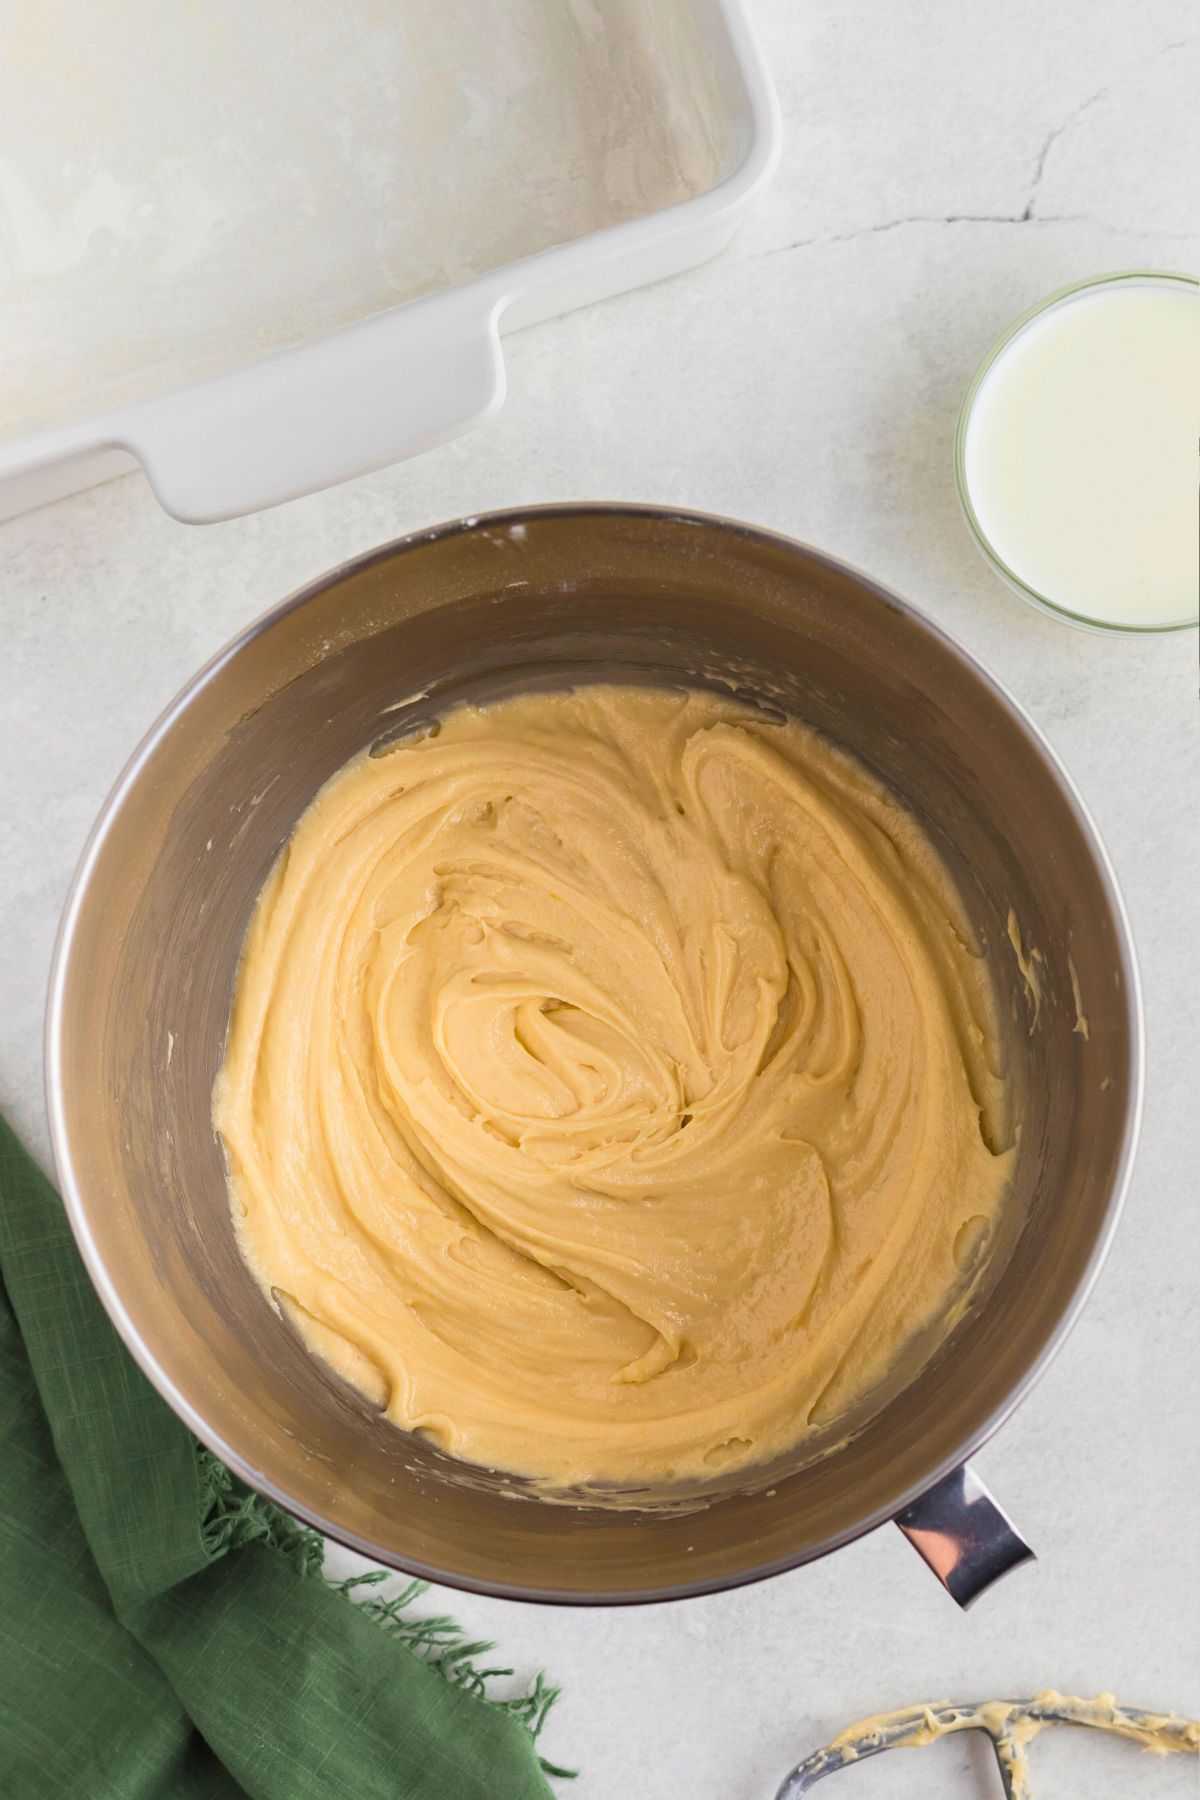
{"x": 945, "y": 165}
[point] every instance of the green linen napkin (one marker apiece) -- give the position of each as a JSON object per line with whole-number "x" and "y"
{"x": 165, "y": 1634}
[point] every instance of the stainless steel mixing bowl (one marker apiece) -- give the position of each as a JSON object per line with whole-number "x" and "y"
{"x": 144, "y": 971}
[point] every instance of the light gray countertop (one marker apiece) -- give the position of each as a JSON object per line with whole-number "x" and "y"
{"x": 945, "y": 165}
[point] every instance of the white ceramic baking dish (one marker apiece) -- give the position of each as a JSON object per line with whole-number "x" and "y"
{"x": 393, "y": 379}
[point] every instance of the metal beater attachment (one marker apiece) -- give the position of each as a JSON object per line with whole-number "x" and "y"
{"x": 1011, "y": 1725}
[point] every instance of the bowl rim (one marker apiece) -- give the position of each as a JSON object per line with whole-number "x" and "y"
{"x": 72, "y": 1183}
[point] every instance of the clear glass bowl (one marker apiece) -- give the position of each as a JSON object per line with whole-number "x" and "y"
{"x": 1123, "y": 277}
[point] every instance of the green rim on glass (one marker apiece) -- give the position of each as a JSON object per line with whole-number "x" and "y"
{"x": 1130, "y": 277}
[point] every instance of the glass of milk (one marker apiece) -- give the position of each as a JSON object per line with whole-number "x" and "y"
{"x": 1076, "y": 453}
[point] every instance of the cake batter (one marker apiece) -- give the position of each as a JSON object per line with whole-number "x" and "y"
{"x": 612, "y": 1090}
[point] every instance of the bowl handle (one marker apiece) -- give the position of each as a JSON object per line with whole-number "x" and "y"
{"x": 967, "y": 1540}
{"x": 358, "y": 399}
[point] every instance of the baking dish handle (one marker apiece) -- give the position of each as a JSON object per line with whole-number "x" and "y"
{"x": 966, "y": 1538}
{"x": 378, "y": 391}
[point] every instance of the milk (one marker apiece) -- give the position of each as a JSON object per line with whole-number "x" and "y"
{"x": 1079, "y": 456}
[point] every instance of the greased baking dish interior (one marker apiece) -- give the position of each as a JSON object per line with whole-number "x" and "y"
{"x": 261, "y": 251}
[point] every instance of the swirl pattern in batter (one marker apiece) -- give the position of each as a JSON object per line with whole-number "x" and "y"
{"x": 612, "y": 1089}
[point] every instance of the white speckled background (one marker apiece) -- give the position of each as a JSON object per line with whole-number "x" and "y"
{"x": 945, "y": 165}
